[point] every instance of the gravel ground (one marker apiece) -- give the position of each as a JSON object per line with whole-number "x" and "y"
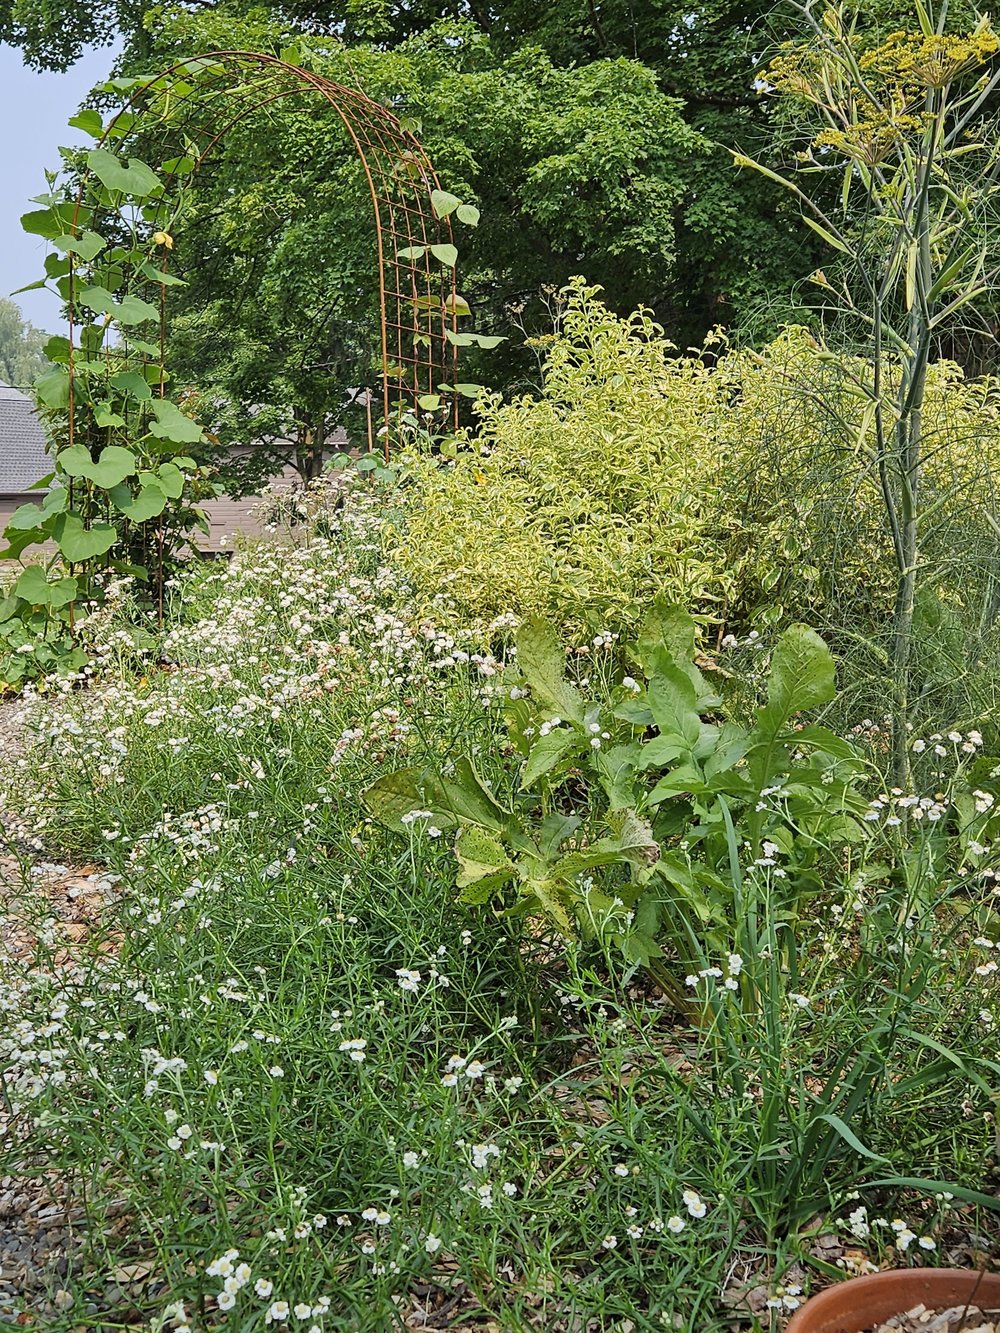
{"x": 40, "y": 1225}
{"x": 958, "y": 1319}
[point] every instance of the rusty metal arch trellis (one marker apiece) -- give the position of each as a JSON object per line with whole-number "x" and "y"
{"x": 189, "y": 108}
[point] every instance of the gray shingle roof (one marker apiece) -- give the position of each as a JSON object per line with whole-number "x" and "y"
{"x": 23, "y": 456}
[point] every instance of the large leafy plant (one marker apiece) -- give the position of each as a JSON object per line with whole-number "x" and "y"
{"x": 633, "y": 814}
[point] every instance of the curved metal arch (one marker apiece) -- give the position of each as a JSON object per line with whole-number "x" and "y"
{"x": 191, "y": 106}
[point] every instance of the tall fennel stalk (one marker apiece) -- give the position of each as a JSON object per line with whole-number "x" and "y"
{"x": 907, "y": 127}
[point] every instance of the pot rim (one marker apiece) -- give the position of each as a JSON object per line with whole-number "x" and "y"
{"x": 878, "y": 1296}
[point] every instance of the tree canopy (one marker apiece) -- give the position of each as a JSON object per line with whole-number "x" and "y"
{"x": 22, "y": 359}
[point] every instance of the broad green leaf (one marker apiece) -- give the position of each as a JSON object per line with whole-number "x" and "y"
{"x": 430, "y": 402}
{"x": 149, "y": 501}
{"x": 135, "y": 179}
{"x": 52, "y": 389}
{"x": 51, "y": 222}
{"x": 446, "y": 254}
{"x": 156, "y": 274}
{"x": 485, "y": 340}
{"x": 480, "y": 854}
{"x": 26, "y": 517}
{"x": 411, "y": 252}
{"x": 555, "y": 829}
{"x": 466, "y": 797}
{"x": 56, "y": 349}
{"x": 666, "y": 626}
{"x": 18, "y": 542}
{"x": 673, "y": 703}
{"x": 469, "y": 214}
{"x": 130, "y": 310}
{"x": 171, "y": 478}
{"x": 547, "y": 751}
{"x": 78, "y": 543}
{"x": 105, "y": 415}
{"x": 457, "y": 305}
{"x": 33, "y": 585}
{"x": 802, "y": 676}
{"x": 542, "y": 662}
{"x": 397, "y": 794}
{"x": 130, "y": 382}
{"x": 88, "y": 245}
{"x": 112, "y": 466}
{"x": 444, "y": 203}
{"x": 616, "y": 769}
{"x": 172, "y": 424}
{"x": 89, "y": 121}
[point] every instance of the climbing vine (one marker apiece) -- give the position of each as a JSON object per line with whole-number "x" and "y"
{"x": 123, "y": 495}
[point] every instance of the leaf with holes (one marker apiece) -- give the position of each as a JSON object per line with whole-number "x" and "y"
{"x": 540, "y": 657}
{"x": 480, "y": 855}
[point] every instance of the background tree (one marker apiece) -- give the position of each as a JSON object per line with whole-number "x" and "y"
{"x": 21, "y": 357}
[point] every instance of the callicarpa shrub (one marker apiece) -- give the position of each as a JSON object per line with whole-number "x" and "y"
{"x": 741, "y": 484}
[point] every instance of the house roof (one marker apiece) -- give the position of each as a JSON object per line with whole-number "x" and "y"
{"x": 23, "y": 447}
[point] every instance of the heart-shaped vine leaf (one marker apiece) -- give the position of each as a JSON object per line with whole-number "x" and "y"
{"x": 135, "y": 178}
{"x": 78, "y": 543}
{"x": 130, "y": 310}
{"x": 172, "y": 424}
{"x": 443, "y": 203}
{"x": 88, "y": 245}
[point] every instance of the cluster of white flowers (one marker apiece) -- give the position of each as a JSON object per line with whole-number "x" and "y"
{"x": 967, "y": 744}
{"x": 860, "y": 1226}
{"x": 785, "y": 1298}
{"x": 459, "y": 1067}
{"x": 730, "y": 982}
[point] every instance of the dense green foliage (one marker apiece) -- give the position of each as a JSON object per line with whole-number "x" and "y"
{"x": 745, "y": 487}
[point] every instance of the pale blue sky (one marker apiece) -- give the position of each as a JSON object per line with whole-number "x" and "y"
{"x": 34, "y": 109}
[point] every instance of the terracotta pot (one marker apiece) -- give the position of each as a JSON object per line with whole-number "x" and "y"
{"x": 865, "y": 1302}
